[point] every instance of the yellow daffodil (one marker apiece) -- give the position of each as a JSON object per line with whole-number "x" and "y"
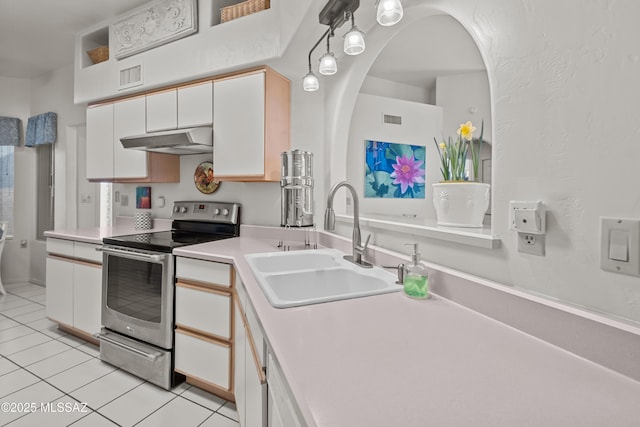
{"x": 454, "y": 152}
{"x": 466, "y": 131}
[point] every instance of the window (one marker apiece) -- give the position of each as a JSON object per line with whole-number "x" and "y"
{"x": 6, "y": 187}
{"x": 44, "y": 209}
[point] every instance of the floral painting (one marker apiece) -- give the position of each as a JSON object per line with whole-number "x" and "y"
{"x": 394, "y": 170}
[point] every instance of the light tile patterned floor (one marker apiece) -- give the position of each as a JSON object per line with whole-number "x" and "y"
{"x": 63, "y": 375}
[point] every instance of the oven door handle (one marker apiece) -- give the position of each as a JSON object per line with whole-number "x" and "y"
{"x": 150, "y": 356}
{"x": 132, "y": 255}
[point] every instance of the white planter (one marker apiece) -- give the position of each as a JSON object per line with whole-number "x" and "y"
{"x": 461, "y": 204}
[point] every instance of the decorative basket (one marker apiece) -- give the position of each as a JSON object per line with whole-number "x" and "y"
{"x": 99, "y": 54}
{"x": 242, "y": 9}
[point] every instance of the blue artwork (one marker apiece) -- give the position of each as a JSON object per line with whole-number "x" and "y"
{"x": 394, "y": 170}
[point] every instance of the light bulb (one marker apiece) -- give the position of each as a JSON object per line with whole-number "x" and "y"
{"x": 310, "y": 82}
{"x": 389, "y": 12}
{"x": 328, "y": 65}
{"x": 354, "y": 42}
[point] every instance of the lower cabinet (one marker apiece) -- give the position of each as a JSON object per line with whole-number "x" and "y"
{"x": 282, "y": 412}
{"x": 74, "y": 286}
{"x": 204, "y": 324}
{"x": 249, "y": 367}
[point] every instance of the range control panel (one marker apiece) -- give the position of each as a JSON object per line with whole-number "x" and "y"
{"x": 222, "y": 212}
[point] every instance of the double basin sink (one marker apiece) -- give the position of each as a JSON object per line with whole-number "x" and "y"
{"x": 295, "y": 278}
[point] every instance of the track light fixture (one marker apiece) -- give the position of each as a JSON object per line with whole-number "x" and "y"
{"x": 334, "y": 14}
{"x": 389, "y": 12}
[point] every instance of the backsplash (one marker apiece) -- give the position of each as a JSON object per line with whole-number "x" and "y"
{"x": 260, "y": 200}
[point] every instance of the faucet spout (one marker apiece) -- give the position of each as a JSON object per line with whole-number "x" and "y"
{"x": 356, "y": 240}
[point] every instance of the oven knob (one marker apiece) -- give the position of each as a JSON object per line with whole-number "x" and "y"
{"x": 176, "y": 208}
{"x": 183, "y": 209}
{"x": 225, "y": 212}
{"x": 216, "y": 211}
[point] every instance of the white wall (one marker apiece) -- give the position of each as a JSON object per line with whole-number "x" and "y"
{"x": 14, "y": 102}
{"x": 564, "y": 104}
{"x": 420, "y": 124}
{"x": 382, "y": 87}
{"x": 465, "y": 97}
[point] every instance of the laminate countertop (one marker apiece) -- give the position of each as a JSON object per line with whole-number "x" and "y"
{"x": 123, "y": 227}
{"x": 388, "y": 360}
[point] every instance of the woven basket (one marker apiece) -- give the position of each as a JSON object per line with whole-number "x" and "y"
{"x": 99, "y": 54}
{"x": 242, "y": 9}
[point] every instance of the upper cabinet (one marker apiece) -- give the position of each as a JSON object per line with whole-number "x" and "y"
{"x": 107, "y": 160}
{"x": 183, "y": 107}
{"x": 251, "y": 125}
{"x": 195, "y": 105}
{"x": 100, "y": 142}
{"x": 128, "y": 119}
{"x": 249, "y": 111}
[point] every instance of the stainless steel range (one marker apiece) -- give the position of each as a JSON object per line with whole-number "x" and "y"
{"x": 138, "y": 287}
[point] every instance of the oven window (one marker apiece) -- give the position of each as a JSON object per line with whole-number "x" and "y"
{"x": 134, "y": 288}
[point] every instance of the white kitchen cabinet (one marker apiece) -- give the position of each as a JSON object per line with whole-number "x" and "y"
{"x": 204, "y": 325}
{"x": 206, "y": 360}
{"x": 59, "y": 290}
{"x": 74, "y": 286}
{"x": 281, "y": 407}
{"x": 182, "y": 107}
{"x": 239, "y": 356}
{"x": 108, "y": 161}
{"x": 87, "y": 297}
{"x": 250, "y": 380}
{"x": 195, "y": 105}
{"x": 251, "y": 125}
{"x": 162, "y": 110}
{"x": 129, "y": 119}
{"x": 100, "y": 142}
{"x": 206, "y": 310}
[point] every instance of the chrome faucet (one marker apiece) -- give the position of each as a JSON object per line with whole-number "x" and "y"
{"x": 330, "y": 224}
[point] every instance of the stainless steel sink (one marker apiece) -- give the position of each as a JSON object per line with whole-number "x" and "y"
{"x": 296, "y": 278}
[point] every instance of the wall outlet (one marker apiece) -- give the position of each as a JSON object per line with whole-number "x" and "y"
{"x": 531, "y": 243}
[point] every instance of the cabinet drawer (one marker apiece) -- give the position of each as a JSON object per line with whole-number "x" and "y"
{"x": 60, "y": 247}
{"x": 205, "y": 359}
{"x": 87, "y": 251}
{"x": 203, "y": 309}
{"x": 203, "y": 271}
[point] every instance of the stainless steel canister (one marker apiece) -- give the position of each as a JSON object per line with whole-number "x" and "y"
{"x": 296, "y": 187}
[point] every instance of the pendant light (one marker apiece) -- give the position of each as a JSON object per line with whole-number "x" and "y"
{"x": 389, "y": 12}
{"x": 328, "y": 64}
{"x": 354, "y": 40}
{"x": 310, "y": 82}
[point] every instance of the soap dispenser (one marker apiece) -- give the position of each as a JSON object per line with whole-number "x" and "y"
{"x": 415, "y": 280}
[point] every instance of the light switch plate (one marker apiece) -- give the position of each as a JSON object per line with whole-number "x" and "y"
{"x": 630, "y": 226}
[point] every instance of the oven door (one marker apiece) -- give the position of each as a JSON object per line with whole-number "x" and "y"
{"x": 137, "y": 294}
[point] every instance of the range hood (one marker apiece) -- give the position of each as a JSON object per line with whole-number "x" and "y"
{"x": 179, "y": 141}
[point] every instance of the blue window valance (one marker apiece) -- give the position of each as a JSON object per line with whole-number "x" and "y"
{"x": 41, "y": 129}
{"x": 9, "y": 131}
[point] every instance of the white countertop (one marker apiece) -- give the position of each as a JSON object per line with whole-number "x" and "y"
{"x": 388, "y": 360}
{"x": 123, "y": 226}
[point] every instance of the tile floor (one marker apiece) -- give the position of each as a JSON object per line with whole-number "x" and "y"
{"x": 63, "y": 378}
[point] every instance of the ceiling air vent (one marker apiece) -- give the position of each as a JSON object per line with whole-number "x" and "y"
{"x": 391, "y": 120}
{"x": 130, "y": 77}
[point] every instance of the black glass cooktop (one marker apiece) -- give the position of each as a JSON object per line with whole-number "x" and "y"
{"x": 162, "y": 241}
